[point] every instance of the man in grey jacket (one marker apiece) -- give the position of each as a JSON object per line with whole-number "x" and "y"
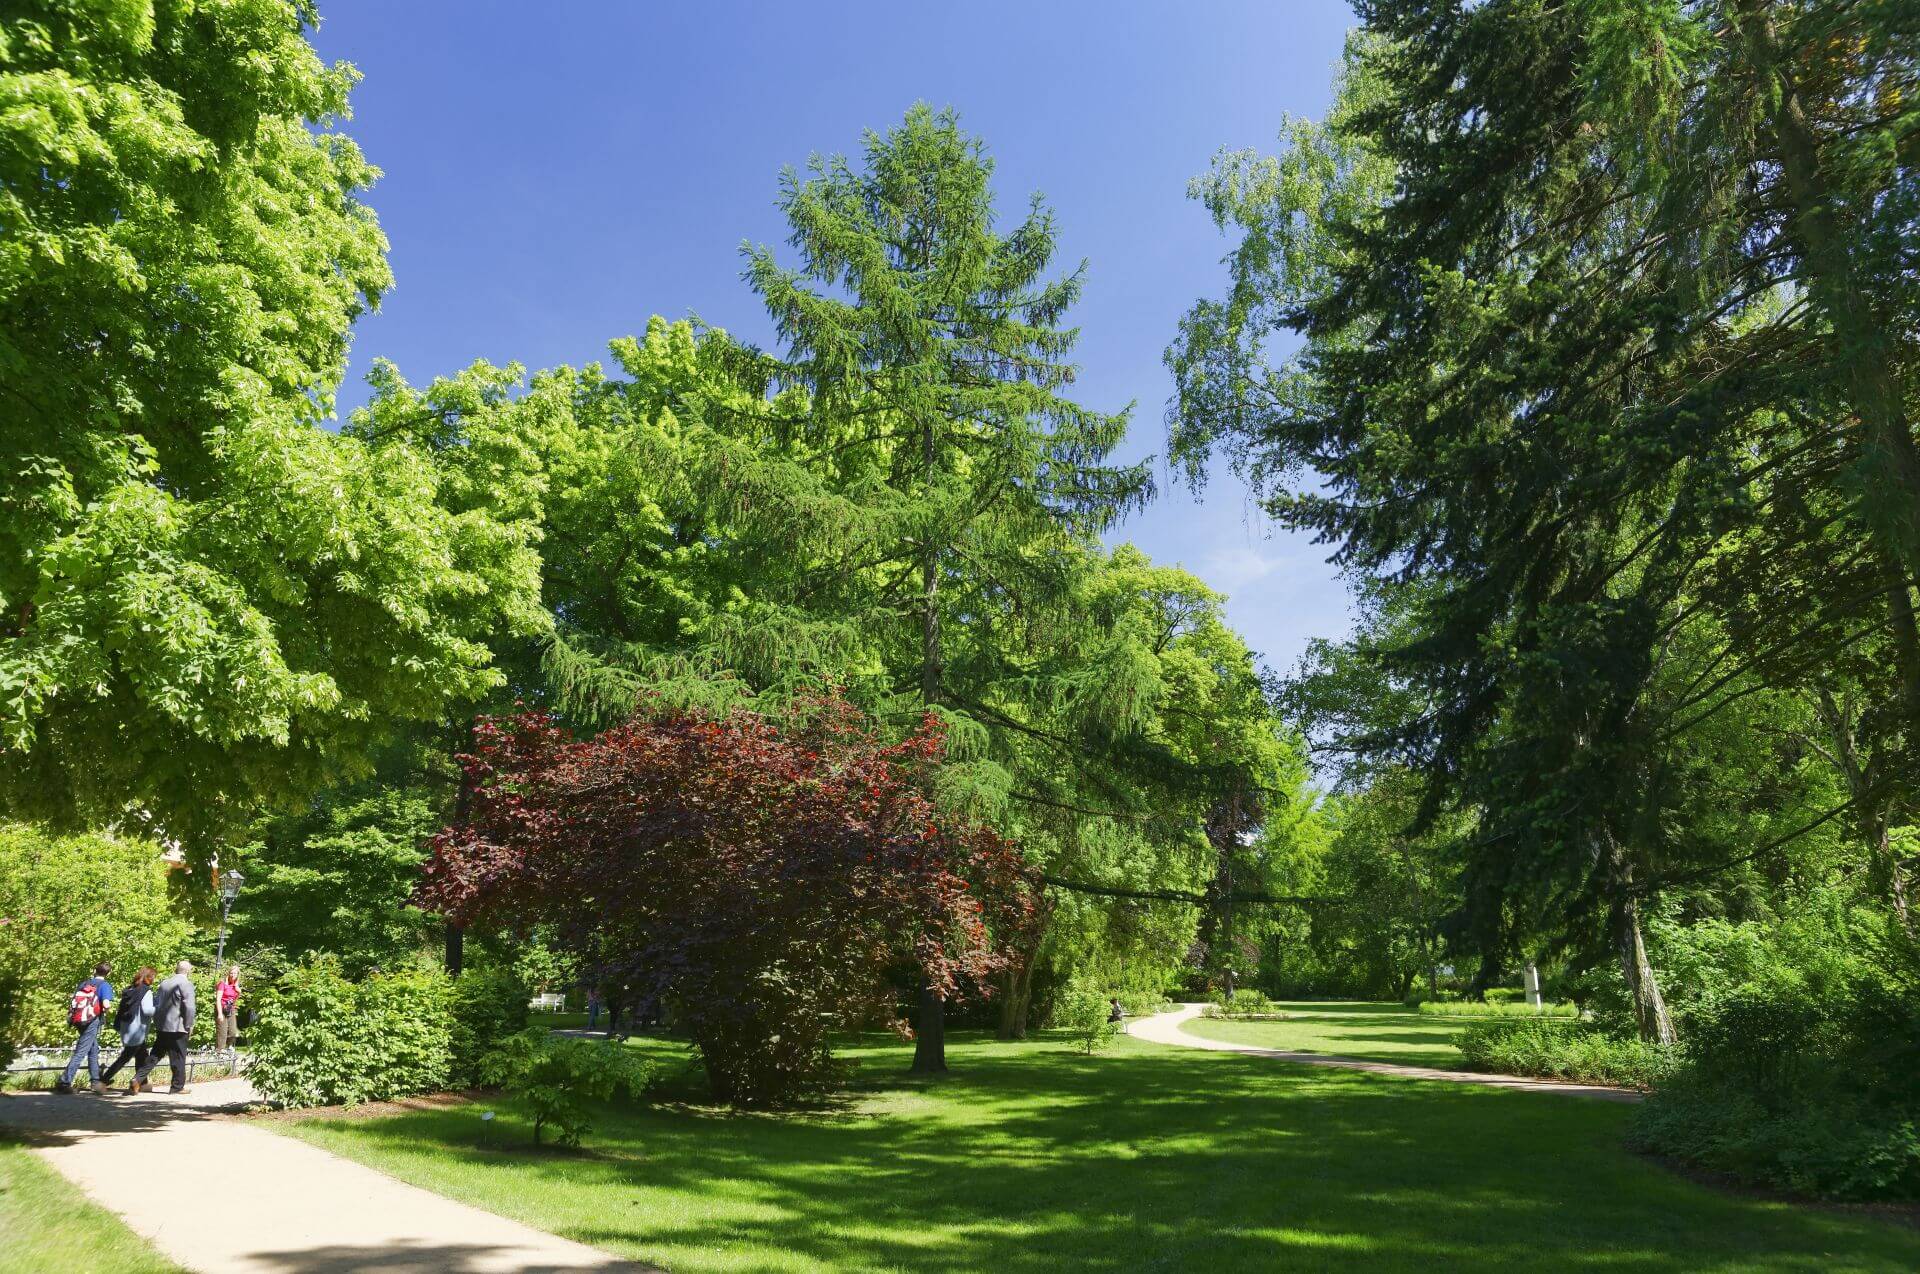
{"x": 173, "y": 1011}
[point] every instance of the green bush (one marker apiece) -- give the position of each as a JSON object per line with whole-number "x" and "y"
{"x": 12, "y": 996}
{"x": 321, "y": 1040}
{"x": 1559, "y": 1048}
{"x": 1143, "y": 1003}
{"x": 562, "y": 1080}
{"x": 1244, "y": 1004}
{"x": 1084, "y": 1013}
{"x": 1493, "y": 1008}
{"x": 489, "y": 1005}
{"x": 69, "y": 902}
{"x": 1814, "y": 1093}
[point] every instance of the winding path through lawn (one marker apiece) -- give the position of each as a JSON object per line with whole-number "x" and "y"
{"x": 218, "y": 1196}
{"x": 1164, "y": 1028}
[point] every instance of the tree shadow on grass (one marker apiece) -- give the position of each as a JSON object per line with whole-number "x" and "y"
{"x": 416, "y": 1258}
{"x": 1039, "y": 1159}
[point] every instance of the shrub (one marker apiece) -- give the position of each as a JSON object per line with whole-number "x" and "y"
{"x": 1244, "y": 1004}
{"x": 1499, "y": 1008}
{"x": 1813, "y": 1093}
{"x": 562, "y": 1080}
{"x": 1143, "y": 1003}
{"x": 1559, "y": 1048}
{"x": 12, "y": 996}
{"x": 489, "y": 1005}
{"x": 68, "y": 902}
{"x": 1084, "y": 1013}
{"x": 321, "y": 1040}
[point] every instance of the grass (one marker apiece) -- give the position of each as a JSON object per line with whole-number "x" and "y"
{"x": 1376, "y": 1032}
{"x": 1031, "y": 1157}
{"x": 46, "y": 1225}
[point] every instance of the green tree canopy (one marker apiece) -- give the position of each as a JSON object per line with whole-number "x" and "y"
{"x": 207, "y": 600}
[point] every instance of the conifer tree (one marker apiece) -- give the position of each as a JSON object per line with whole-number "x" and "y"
{"x": 932, "y": 359}
{"x": 1578, "y": 365}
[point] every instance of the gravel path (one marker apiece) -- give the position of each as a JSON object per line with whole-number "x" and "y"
{"x": 218, "y": 1196}
{"x": 1164, "y": 1028}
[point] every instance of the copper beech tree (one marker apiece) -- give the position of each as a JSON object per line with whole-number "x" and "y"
{"x": 767, "y": 884}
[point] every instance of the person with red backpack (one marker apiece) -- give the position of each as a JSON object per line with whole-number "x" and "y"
{"x": 86, "y": 1012}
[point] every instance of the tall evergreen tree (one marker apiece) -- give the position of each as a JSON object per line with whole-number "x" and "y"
{"x": 933, "y": 363}
{"x": 1575, "y": 362}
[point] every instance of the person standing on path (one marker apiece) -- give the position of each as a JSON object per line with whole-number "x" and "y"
{"x": 134, "y": 1022}
{"x": 86, "y": 1011}
{"x": 226, "y": 1022}
{"x": 173, "y": 1023}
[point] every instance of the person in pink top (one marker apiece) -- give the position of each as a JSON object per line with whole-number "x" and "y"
{"x": 226, "y": 1020}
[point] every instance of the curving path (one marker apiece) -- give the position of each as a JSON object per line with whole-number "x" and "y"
{"x": 217, "y": 1195}
{"x": 1164, "y": 1028}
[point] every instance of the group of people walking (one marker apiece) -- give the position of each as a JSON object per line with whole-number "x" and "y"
{"x": 154, "y": 1024}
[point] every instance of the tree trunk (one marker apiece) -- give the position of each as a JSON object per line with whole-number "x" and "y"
{"x": 1490, "y": 971}
{"x": 456, "y": 949}
{"x": 1016, "y": 999}
{"x": 1649, "y": 1007}
{"x": 930, "y": 1036}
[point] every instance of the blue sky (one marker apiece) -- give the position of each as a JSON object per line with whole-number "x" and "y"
{"x": 551, "y": 183}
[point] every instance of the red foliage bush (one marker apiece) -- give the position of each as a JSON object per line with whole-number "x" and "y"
{"x": 763, "y": 883}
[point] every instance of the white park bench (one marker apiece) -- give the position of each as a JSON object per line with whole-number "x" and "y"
{"x": 549, "y": 1002}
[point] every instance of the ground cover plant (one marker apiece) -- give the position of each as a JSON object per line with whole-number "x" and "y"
{"x": 1033, "y": 1154}
{"x": 1800, "y": 1091}
{"x": 1561, "y": 1048}
{"x": 46, "y": 1225}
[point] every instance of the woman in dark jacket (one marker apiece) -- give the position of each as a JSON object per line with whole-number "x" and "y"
{"x": 134, "y": 1021}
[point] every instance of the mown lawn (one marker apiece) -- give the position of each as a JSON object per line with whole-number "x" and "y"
{"x": 1032, "y": 1157}
{"x": 1376, "y": 1032}
{"x": 46, "y": 1224}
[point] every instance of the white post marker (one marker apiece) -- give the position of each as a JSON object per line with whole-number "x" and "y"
{"x": 1532, "y": 983}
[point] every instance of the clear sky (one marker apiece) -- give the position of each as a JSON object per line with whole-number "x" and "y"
{"x": 553, "y": 180}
